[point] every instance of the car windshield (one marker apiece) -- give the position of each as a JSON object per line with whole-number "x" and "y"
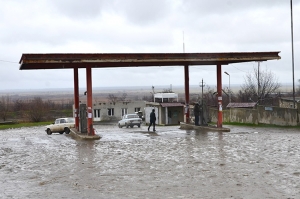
{"x": 57, "y": 121}
{"x": 132, "y": 116}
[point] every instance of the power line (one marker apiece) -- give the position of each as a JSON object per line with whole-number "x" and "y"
{"x": 239, "y": 69}
{"x": 8, "y": 61}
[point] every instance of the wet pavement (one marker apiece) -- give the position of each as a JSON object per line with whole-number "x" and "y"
{"x": 246, "y": 162}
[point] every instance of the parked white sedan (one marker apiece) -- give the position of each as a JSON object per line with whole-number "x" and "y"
{"x": 130, "y": 120}
{"x": 61, "y": 125}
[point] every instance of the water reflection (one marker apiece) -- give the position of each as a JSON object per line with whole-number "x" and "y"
{"x": 197, "y": 134}
{"x": 86, "y": 151}
{"x": 208, "y": 145}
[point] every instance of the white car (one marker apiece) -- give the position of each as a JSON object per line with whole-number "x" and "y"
{"x": 61, "y": 125}
{"x": 130, "y": 120}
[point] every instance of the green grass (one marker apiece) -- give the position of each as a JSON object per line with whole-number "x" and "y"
{"x": 23, "y": 124}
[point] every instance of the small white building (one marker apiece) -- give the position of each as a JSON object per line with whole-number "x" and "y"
{"x": 168, "y": 110}
{"x": 107, "y": 111}
{"x": 166, "y": 113}
{"x": 165, "y": 97}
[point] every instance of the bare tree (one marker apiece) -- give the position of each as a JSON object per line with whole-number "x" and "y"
{"x": 112, "y": 98}
{"x": 147, "y": 98}
{"x": 96, "y": 100}
{"x": 37, "y": 109}
{"x": 194, "y": 97}
{"x": 210, "y": 96}
{"x": 18, "y": 105}
{"x": 244, "y": 96}
{"x": 4, "y": 106}
{"x": 123, "y": 97}
{"x": 260, "y": 88}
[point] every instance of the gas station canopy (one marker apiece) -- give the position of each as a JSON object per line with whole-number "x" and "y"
{"x": 90, "y": 60}
{"x": 98, "y": 60}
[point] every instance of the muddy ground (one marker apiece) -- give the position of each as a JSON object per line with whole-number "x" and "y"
{"x": 132, "y": 163}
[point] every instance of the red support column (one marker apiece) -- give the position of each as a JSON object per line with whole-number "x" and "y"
{"x": 90, "y": 129}
{"x": 219, "y": 90}
{"x": 187, "y": 93}
{"x": 76, "y": 98}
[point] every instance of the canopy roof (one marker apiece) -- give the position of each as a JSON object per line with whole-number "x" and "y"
{"x": 174, "y": 104}
{"x": 70, "y": 60}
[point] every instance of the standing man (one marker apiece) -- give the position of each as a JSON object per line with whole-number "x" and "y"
{"x": 152, "y": 119}
{"x": 197, "y": 113}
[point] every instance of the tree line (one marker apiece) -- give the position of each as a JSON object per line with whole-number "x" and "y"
{"x": 261, "y": 87}
{"x": 33, "y": 110}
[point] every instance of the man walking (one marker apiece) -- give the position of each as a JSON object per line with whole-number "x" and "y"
{"x": 196, "y": 113}
{"x": 152, "y": 119}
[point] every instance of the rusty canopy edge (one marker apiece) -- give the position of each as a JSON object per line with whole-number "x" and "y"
{"x": 98, "y": 60}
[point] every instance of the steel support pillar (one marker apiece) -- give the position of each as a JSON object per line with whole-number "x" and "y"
{"x": 76, "y": 98}
{"x": 219, "y": 95}
{"x": 90, "y": 129}
{"x": 166, "y": 115}
{"x": 187, "y": 93}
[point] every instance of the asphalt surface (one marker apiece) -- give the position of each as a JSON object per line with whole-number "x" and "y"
{"x": 134, "y": 163}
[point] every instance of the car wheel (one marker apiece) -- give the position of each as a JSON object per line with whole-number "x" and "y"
{"x": 131, "y": 126}
{"x": 49, "y": 132}
{"x": 67, "y": 130}
{"x": 139, "y": 125}
{"x": 119, "y": 125}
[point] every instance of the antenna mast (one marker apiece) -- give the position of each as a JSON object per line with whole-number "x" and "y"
{"x": 183, "y": 42}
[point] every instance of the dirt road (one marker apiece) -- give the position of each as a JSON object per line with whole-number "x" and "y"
{"x": 132, "y": 163}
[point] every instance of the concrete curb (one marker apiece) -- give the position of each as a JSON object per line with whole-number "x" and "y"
{"x": 207, "y": 128}
{"x": 84, "y": 136}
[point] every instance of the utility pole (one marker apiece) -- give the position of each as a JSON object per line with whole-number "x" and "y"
{"x": 292, "y": 36}
{"x": 183, "y": 46}
{"x": 153, "y": 93}
{"x": 229, "y": 91}
{"x": 202, "y": 85}
{"x": 258, "y": 82}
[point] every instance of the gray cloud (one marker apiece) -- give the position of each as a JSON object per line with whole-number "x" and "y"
{"x": 229, "y": 6}
{"x": 137, "y": 26}
{"x": 144, "y": 12}
{"x": 79, "y": 10}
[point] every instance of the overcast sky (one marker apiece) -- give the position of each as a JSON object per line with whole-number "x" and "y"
{"x": 143, "y": 26}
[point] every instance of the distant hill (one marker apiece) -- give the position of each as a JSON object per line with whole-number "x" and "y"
{"x": 140, "y": 90}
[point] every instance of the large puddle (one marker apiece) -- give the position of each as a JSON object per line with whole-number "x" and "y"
{"x": 135, "y": 163}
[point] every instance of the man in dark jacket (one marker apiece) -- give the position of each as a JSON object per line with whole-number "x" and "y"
{"x": 152, "y": 119}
